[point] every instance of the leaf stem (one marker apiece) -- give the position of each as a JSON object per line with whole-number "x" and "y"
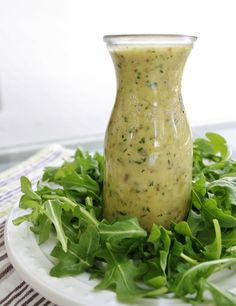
{"x": 189, "y": 259}
{"x": 73, "y": 205}
{"x": 199, "y": 200}
{"x": 63, "y": 199}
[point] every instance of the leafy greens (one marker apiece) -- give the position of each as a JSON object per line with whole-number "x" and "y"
{"x": 122, "y": 255}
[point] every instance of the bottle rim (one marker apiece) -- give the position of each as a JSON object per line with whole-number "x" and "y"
{"x": 149, "y": 39}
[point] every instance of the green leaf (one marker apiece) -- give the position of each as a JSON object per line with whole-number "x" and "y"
{"x": 33, "y": 215}
{"x": 183, "y": 229}
{"x": 157, "y": 281}
{"x": 69, "y": 262}
{"x": 26, "y": 218}
{"x": 100, "y": 159}
{"x": 47, "y": 188}
{"x": 81, "y": 213}
{"x": 123, "y": 275}
{"x": 155, "y": 234}
{"x": 199, "y": 184}
{"x": 221, "y": 297}
{"x": 225, "y": 186}
{"x": 44, "y": 228}
{"x": 195, "y": 222}
{"x": 174, "y": 258}
{"x": 204, "y": 146}
{"x": 86, "y": 164}
{"x": 26, "y": 202}
{"x": 79, "y": 256}
{"x": 191, "y": 242}
{"x": 211, "y": 157}
{"x": 89, "y": 243}
{"x": 121, "y": 229}
{"x": 219, "y": 145}
{"x": 215, "y": 145}
{"x": 26, "y": 187}
{"x": 49, "y": 173}
{"x": 75, "y": 180}
{"x": 229, "y": 238}
{"x": 211, "y": 211}
{"x": 70, "y": 226}
{"x": 213, "y": 250}
{"x": 166, "y": 242}
{"x": 188, "y": 281}
{"x": 53, "y": 210}
{"x": 199, "y": 191}
{"x": 160, "y": 237}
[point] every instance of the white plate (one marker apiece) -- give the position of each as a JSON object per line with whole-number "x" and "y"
{"x": 33, "y": 264}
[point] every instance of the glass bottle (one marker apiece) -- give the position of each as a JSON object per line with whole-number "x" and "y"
{"x": 148, "y": 142}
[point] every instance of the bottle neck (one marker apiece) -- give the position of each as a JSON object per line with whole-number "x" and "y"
{"x": 150, "y": 71}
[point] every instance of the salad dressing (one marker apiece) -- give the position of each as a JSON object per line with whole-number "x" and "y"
{"x": 148, "y": 143}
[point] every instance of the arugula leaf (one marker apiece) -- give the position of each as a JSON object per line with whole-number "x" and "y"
{"x": 44, "y": 228}
{"x": 229, "y": 238}
{"x": 33, "y": 215}
{"x": 225, "y": 186}
{"x": 219, "y": 145}
{"x": 121, "y": 229}
{"x": 174, "y": 259}
{"x": 49, "y": 173}
{"x": 79, "y": 256}
{"x": 188, "y": 281}
{"x": 83, "y": 175}
{"x": 214, "y": 147}
{"x": 211, "y": 211}
{"x": 160, "y": 239}
{"x": 53, "y": 210}
{"x": 213, "y": 250}
{"x": 211, "y": 157}
{"x": 221, "y": 298}
{"x": 195, "y": 222}
{"x": 198, "y": 191}
{"x": 68, "y": 262}
{"x": 183, "y": 229}
{"x": 26, "y": 188}
{"x": 123, "y": 273}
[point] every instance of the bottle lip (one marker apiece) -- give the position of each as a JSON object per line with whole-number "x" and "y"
{"x": 149, "y": 39}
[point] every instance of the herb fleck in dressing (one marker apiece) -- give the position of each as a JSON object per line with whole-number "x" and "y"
{"x": 148, "y": 144}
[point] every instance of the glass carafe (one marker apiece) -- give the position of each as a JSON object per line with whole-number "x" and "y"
{"x": 148, "y": 143}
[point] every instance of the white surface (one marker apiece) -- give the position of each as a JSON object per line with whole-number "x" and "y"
{"x": 56, "y": 76}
